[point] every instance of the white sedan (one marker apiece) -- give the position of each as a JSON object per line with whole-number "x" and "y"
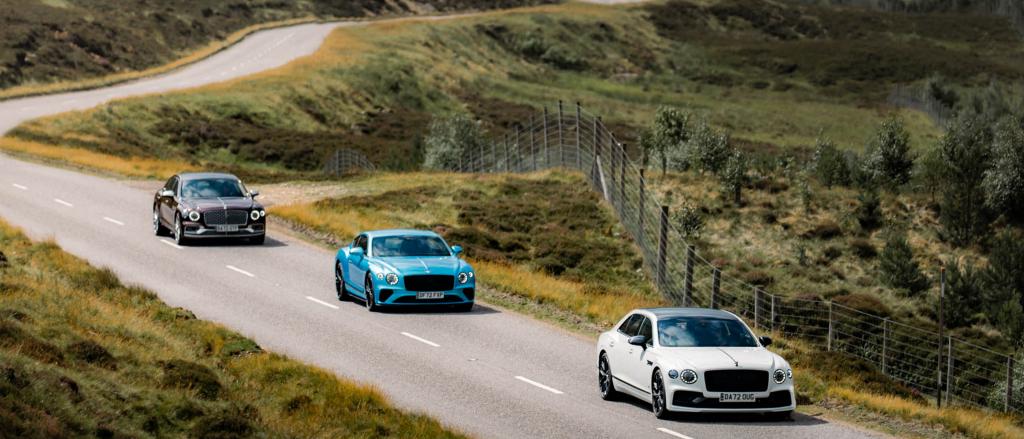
{"x": 693, "y": 360}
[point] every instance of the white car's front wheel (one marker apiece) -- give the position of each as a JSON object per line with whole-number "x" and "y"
{"x": 604, "y": 379}
{"x": 658, "y": 403}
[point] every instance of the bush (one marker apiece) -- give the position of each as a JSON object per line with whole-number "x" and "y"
{"x": 1004, "y": 181}
{"x": 830, "y": 164}
{"x": 888, "y": 159}
{"x": 709, "y": 148}
{"x": 1004, "y": 281}
{"x": 868, "y": 212}
{"x": 964, "y": 153}
{"x": 181, "y": 374}
{"x": 863, "y": 248}
{"x": 826, "y": 229}
{"x": 92, "y": 353}
{"x": 690, "y": 221}
{"x": 865, "y": 303}
{"x": 733, "y": 176}
{"x": 897, "y": 267}
{"x": 451, "y": 141}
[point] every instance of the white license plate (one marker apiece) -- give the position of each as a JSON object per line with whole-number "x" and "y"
{"x": 227, "y": 228}
{"x": 430, "y": 295}
{"x": 737, "y": 397}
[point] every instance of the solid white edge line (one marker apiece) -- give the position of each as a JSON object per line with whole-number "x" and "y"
{"x": 673, "y": 433}
{"x": 24, "y": 188}
{"x": 111, "y": 220}
{"x": 60, "y": 201}
{"x": 172, "y": 244}
{"x": 239, "y": 270}
{"x": 322, "y": 302}
{"x": 536, "y": 384}
{"x": 421, "y": 340}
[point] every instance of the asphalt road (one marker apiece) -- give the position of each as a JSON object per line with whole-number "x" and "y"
{"x": 489, "y": 373}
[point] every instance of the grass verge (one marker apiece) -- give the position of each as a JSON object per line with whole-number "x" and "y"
{"x": 83, "y": 355}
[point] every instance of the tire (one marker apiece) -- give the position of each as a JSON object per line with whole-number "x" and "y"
{"x": 179, "y": 232}
{"x": 371, "y": 301}
{"x": 258, "y": 240}
{"x": 464, "y": 307}
{"x": 780, "y": 416}
{"x": 605, "y": 383}
{"x": 658, "y": 402}
{"x": 339, "y": 283}
{"x": 158, "y": 226}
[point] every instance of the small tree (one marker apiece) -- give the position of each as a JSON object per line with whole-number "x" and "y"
{"x": 964, "y": 294}
{"x": 1004, "y": 181}
{"x": 897, "y": 267}
{"x": 1004, "y": 285}
{"x": 709, "y": 148}
{"x": 868, "y": 213}
{"x": 830, "y": 163}
{"x": 734, "y": 176}
{"x": 451, "y": 140}
{"x": 690, "y": 221}
{"x": 888, "y": 160}
{"x": 964, "y": 154}
{"x": 670, "y": 132}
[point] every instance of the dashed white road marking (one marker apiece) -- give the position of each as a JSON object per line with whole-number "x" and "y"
{"x": 421, "y": 340}
{"x": 172, "y": 244}
{"x": 24, "y": 188}
{"x": 322, "y": 302}
{"x": 673, "y": 433}
{"x": 111, "y": 220}
{"x": 239, "y": 270}
{"x": 60, "y": 201}
{"x": 536, "y": 384}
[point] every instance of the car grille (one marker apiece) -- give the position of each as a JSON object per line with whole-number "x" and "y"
{"x": 225, "y": 217}
{"x": 682, "y": 398}
{"x": 429, "y": 282}
{"x": 736, "y": 380}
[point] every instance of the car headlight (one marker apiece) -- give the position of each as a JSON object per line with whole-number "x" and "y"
{"x": 779, "y": 376}
{"x": 254, "y": 215}
{"x": 463, "y": 278}
{"x": 391, "y": 278}
{"x": 688, "y": 376}
{"x": 193, "y": 215}
{"x": 672, "y": 373}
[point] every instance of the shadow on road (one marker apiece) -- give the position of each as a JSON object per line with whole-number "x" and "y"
{"x": 799, "y": 419}
{"x": 478, "y": 309}
{"x": 234, "y": 242}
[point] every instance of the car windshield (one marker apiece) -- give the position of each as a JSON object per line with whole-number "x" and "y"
{"x": 688, "y": 332}
{"x": 213, "y": 188}
{"x": 394, "y": 246}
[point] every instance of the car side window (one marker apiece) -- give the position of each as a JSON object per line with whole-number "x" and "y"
{"x": 170, "y": 184}
{"x": 174, "y": 185}
{"x": 630, "y": 327}
{"x": 361, "y": 242}
{"x": 645, "y": 330}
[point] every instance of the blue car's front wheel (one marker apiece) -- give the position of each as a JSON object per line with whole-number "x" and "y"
{"x": 339, "y": 282}
{"x": 371, "y": 301}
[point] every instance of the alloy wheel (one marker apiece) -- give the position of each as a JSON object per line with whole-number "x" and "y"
{"x": 604, "y": 378}
{"x": 658, "y": 396}
{"x": 371, "y": 302}
{"x": 339, "y": 282}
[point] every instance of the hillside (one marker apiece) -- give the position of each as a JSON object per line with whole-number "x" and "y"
{"x": 45, "y": 41}
{"x": 85, "y": 356}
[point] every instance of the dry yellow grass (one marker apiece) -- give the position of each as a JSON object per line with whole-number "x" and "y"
{"x": 198, "y": 55}
{"x": 124, "y": 166}
{"x": 969, "y": 422}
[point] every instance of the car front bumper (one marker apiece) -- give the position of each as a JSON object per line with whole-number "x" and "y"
{"x": 198, "y": 230}
{"x": 688, "y": 398}
{"x": 387, "y": 295}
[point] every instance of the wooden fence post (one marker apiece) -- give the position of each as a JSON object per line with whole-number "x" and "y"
{"x": 561, "y": 141}
{"x": 579, "y": 161}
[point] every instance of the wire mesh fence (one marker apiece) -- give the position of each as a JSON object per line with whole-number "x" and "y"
{"x": 934, "y": 364}
{"x": 345, "y": 161}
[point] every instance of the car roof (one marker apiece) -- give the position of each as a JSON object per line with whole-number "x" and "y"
{"x": 204, "y": 175}
{"x": 403, "y": 232}
{"x": 689, "y": 312}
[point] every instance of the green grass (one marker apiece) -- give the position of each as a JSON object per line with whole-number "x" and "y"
{"x": 84, "y": 356}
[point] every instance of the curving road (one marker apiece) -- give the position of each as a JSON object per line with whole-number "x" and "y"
{"x": 489, "y": 373}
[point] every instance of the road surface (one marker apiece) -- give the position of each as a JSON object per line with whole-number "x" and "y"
{"x": 489, "y": 373}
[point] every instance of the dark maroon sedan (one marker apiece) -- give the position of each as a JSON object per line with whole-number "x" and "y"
{"x": 208, "y": 205}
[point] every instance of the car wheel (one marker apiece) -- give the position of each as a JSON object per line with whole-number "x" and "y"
{"x": 371, "y": 301}
{"x": 339, "y": 283}
{"x": 604, "y": 379}
{"x": 658, "y": 396}
{"x": 258, "y": 240}
{"x": 158, "y": 227}
{"x": 179, "y": 232}
{"x": 780, "y": 416}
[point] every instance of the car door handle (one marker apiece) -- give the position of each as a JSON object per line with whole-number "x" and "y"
{"x": 650, "y": 363}
{"x": 611, "y": 344}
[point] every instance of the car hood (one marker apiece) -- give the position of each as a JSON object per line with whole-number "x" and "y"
{"x": 422, "y": 265}
{"x": 207, "y": 204}
{"x": 711, "y": 358}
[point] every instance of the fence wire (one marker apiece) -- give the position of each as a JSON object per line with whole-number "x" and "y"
{"x": 571, "y": 138}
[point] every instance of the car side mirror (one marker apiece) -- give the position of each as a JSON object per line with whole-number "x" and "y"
{"x": 456, "y": 249}
{"x": 765, "y": 340}
{"x": 254, "y": 193}
{"x": 356, "y": 251}
{"x": 638, "y": 340}
{"x": 166, "y": 193}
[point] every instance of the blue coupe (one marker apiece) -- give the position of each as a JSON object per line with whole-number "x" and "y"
{"x": 404, "y": 267}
